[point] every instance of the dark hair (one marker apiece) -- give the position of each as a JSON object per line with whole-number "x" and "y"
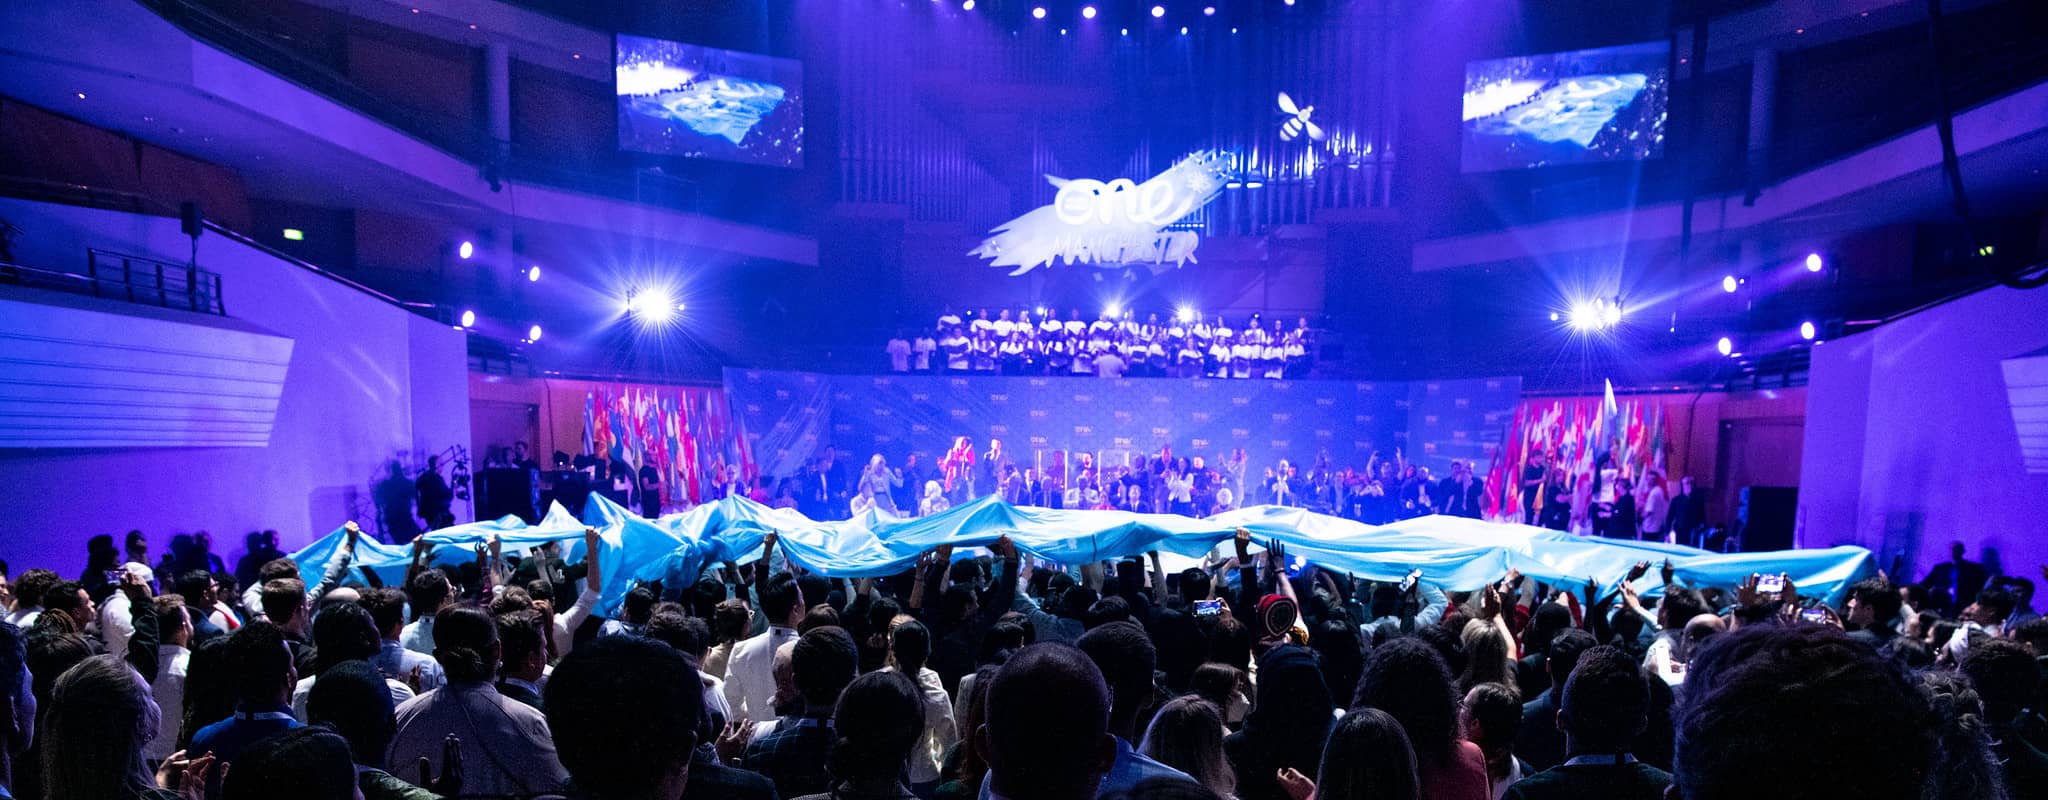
{"x": 194, "y": 584}
{"x": 822, "y": 615}
{"x": 519, "y": 636}
{"x": 64, "y": 597}
{"x": 911, "y": 644}
{"x": 1037, "y": 748}
{"x": 1126, "y": 657}
{"x": 281, "y": 598}
{"x": 687, "y": 634}
{"x": 386, "y": 607}
{"x": 879, "y": 720}
{"x": 1187, "y": 735}
{"x": 209, "y": 689}
{"x": 1290, "y": 714}
{"x": 352, "y": 699}
{"x": 310, "y": 763}
{"x": 1004, "y": 639}
{"x": 1544, "y": 625}
{"x": 1565, "y": 649}
{"x": 32, "y": 585}
{"x": 1449, "y": 648}
{"x": 1964, "y": 763}
{"x": 511, "y": 600}
{"x": 91, "y": 732}
{"x": 259, "y": 662}
{"x": 1605, "y": 703}
{"x": 1760, "y": 692}
{"x": 1075, "y": 602}
{"x": 1407, "y": 679}
{"x": 344, "y": 632}
{"x": 778, "y": 598}
{"x": 624, "y": 713}
{"x": 462, "y": 644}
{"x": 731, "y": 620}
{"x": 1498, "y": 710}
{"x": 2034, "y": 635}
{"x": 823, "y": 662}
{"x": 1680, "y": 605}
{"x": 1105, "y": 611}
{"x": 1881, "y": 595}
{"x": 170, "y": 615}
{"x": 1998, "y": 600}
{"x": 639, "y": 604}
{"x": 277, "y": 568}
{"x": 2005, "y": 675}
{"x": 1216, "y": 682}
{"x": 1368, "y": 756}
{"x": 426, "y": 592}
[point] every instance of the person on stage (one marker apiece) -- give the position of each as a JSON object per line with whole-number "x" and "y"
{"x": 1462, "y": 494}
{"x": 435, "y": 496}
{"x": 1532, "y": 484}
{"x": 876, "y": 482}
{"x": 994, "y": 465}
{"x": 934, "y": 500}
{"x": 650, "y": 489}
{"x": 958, "y": 466}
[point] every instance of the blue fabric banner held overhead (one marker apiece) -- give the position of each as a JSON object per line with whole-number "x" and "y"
{"x": 1454, "y": 553}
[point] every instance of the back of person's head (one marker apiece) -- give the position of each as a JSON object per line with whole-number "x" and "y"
{"x": 624, "y": 713}
{"x": 822, "y": 615}
{"x": 307, "y": 763}
{"x": 345, "y": 632}
{"x": 511, "y": 600}
{"x": 1680, "y": 603}
{"x": 1368, "y": 756}
{"x": 1407, "y": 679}
{"x": 260, "y": 662}
{"x": 1492, "y": 716}
{"x": 878, "y": 721}
{"x": 1216, "y": 682}
{"x": 282, "y": 598}
{"x": 685, "y": 633}
{"x": 1605, "y": 702}
{"x": 1544, "y": 625}
{"x": 1487, "y": 657}
{"x": 92, "y": 730}
{"x": 466, "y": 644}
{"x": 1964, "y": 764}
{"x": 1565, "y": 648}
{"x": 2033, "y": 634}
{"x": 2005, "y": 675}
{"x": 1075, "y": 602}
{"x": 1879, "y": 595}
{"x": 1999, "y": 602}
{"x": 1194, "y": 584}
{"x": 911, "y": 645}
{"x": 427, "y": 591}
{"x": 1293, "y": 702}
{"x": 352, "y": 698}
{"x": 1187, "y": 735}
{"x": 732, "y": 620}
{"x": 194, "y": 585}
{"x": 520, "y": 637}
{"x": 209, "y": 689}
{"x": 386, "y": 607}
{"x": 778, "y": 598}
{"x": 823, "y": 662}
{"x": 639, "y": 603}
{"x": 1341, "y": 650}
{"x": 32, "y": 585}
{"x": 1125, "y": 655}
{"x": 65, "y": 597}
{"x": 277, "y": 568}
{"x": 1039, "y": 750}
{"x": 1105, "y": 611}
{"x": 170, "y": 614}
{"x": 705, "y": 595}
{"x": 1754, "y": 695}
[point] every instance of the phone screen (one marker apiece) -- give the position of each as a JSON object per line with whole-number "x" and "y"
{"x": 1770, "y": 583}
{"x": 1208, "y": 608}
{"x": 1814, "y": 615}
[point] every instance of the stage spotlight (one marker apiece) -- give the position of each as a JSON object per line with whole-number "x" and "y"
{"x": 966, "y": 5}
{"x": 1038, "y": 12}
{"x": 1158, "y": 11}
{"x": 1183, "y": 30}
{"x": 1124, "y": 31}
{"x": 1185, "y": 315}
{"x": 1063, "y": 31}
{"x": 533, "y": 273}
{"x": 1040, "y": 311}
{"x": 1610, "y": 315}
{"x": 1553, "y": 316}
{"x": 533, "y": 334}
{"x": 1584, "y": 317}
{"x": 1726, "y": 346}
{"x": 1806, "y": 331}
{"x": 1087, "y": 12}
{"x": 1814, "y": 262}
{"x": 1112, "y": 311}
{"x": 1208, "y": 11}
{"x": 468, "y": 318}
{"x": 651, "y": 306}
{"x": 1254, "y": 185}
{"x": 1729, "y": 284}
{"x": 466, "y": 249}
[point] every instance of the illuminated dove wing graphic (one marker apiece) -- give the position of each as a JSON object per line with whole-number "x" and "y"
{"x": 1109, "y": 224}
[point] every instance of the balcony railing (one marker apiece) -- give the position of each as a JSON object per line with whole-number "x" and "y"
{"x": 133, "y": 279}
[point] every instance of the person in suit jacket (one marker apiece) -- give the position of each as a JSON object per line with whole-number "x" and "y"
{"x": 524, "y": 656}
{"x": 1957, "y": 578}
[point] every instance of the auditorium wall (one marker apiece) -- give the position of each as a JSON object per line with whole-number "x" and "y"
{"x": 1912, "y": 441}
{"x": 369, "y": 382}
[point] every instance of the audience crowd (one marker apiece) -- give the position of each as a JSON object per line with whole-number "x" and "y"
{"x": 1114, "y": 345}
{"x": 1003, "y": 676}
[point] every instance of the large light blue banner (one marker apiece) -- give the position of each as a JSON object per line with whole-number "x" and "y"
{"x": 1454, "y": 553}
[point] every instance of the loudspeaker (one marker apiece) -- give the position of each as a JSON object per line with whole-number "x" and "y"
{"x": 190, "y": 219}
{"x": 1764, "y": 517}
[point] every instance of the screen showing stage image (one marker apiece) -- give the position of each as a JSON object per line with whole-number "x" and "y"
{"x": 1580, "y": 107}
{"x": 701, "y": 102}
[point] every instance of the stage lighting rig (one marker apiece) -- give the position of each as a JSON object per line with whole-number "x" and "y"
{"x": 651, "y": 305}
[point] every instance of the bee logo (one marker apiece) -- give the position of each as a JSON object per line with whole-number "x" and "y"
{"x": 1297, "y": 121}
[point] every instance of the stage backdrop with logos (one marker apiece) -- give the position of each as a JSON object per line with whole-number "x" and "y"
{"x": 789, "y": 416}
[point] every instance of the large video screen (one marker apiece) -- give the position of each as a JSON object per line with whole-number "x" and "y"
{"x": 1584, "y": 106}
{"x": 702, "y": 102}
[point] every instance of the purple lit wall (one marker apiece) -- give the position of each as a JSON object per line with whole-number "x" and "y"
{"x": 1911, "y": 441}
{"x": 368, "y": 382}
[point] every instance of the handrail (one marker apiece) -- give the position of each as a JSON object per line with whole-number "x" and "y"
{"x": 133, "y": 279}
{"x": 244, "y": 240}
